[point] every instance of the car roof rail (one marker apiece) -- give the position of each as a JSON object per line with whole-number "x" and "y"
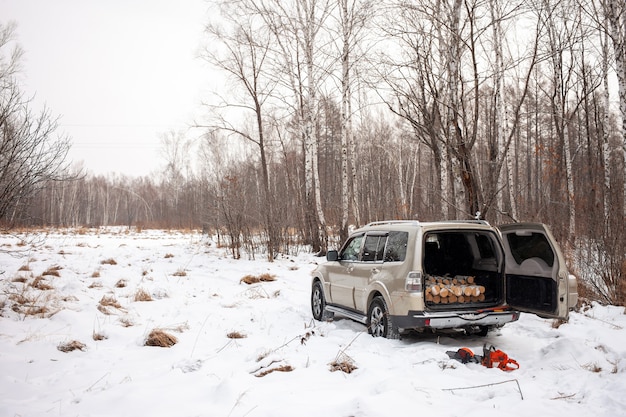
{"x": 383, "y": 222}
{"x": 474, "y": 221}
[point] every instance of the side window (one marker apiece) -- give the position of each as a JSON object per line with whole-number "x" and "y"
{"x": 485, "y": 246}
{"x": 531, "y": 245}
{"x": 352, "y": 249}
{"x": 374, "y": 248}
{"x": 396, "y": 246}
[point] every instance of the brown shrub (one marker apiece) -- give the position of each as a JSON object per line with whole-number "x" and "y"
{"x": 24, "y": 268}
{"x": 159, "y": 338}
{"x": 109, "y": 261}
{"x": 236, "y": 335}
{"x": 96, "y": 274}
{"x": 180, "y": 273}
{"x": 121, "y": 283}
{"x": 168, "y": 255}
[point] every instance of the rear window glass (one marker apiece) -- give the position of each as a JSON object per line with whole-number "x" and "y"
{"x": 531, "y": 245}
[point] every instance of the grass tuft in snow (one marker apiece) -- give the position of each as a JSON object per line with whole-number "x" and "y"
{"x": 110, "y": 301}
{"x": 236, "y": 335}
{"x": 121, "y": 283}
{"x": 53, "y": 271}
{"x": 142, "y": 295}
{"x": 343, "y": 363}
{"x": 282, "y": 368}
{"x": 41, "y": 284}
{"x": 98, "y": 336}
{"x": 71, "y": 346}
{"x": 109, "y": 261}
{"x": 255, "y": 279}
{"x": 160, "y": 338}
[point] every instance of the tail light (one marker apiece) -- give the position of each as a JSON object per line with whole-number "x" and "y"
{"x": 413, "y": 281}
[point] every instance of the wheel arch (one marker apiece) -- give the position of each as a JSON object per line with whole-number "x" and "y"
{"x": 379, "y": 290}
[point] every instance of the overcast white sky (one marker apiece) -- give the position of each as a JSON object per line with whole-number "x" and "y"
{"x": 120, "y": 73}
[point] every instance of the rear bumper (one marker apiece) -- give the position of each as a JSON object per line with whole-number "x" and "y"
{"x": 452, "y": 320}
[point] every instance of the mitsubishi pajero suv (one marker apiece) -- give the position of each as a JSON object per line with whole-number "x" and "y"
{"x": 397, "y": 276}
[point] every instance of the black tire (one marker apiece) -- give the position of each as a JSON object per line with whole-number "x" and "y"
{"x": 379, "y": 323}
{"x": 318, "y": 303}
{"x": 482, "y": 331}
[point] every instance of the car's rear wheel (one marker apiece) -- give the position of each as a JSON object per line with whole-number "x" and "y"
{"x": 379, "y": 323}
{"x": 318, "y": 303}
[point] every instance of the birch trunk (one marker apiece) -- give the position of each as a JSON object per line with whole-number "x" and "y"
{"x": 615, "y": 11}
{"x": 345, "y": 120}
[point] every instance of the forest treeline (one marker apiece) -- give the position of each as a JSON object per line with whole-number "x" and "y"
{"x": 336, "y": 113}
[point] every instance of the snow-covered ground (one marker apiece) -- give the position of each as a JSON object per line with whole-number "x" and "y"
{"x": 253, "y": 350}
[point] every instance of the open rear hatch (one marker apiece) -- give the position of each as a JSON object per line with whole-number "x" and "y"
{"x": 536, "y": 275}
{"x": 462, "y": 269}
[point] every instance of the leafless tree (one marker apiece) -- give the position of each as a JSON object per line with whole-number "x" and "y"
{"x": 32, "y": 153}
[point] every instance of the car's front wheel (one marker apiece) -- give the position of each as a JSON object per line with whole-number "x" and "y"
{"x": 318, "y": 303}
{"x": 379, "y": 323}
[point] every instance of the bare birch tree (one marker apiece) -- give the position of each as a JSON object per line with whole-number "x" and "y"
{"x": 243, "y": 45}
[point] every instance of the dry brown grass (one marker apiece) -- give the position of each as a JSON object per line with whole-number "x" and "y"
{"x": 121, "y": 283}
{"x": 98, "y": 336}
{"x": 71, "y": 346}
{"x": 180, "y": 273}
{"x": 236, "y": 335}
{"x": 160, "y": 338}
{"x": 343, "y": 366}
{"x": 96, "y": 284}
{"x": 19, "y": 279}
{"x": 282, "y": 368}
{"x": 41, "y": 284}
{"x": 254, "y": 279}
{"x": 25, "y": 267}
{"x": 109, "y": 301}
{"x": 142, "y": 295}
{"x": 53, "y": 271}
{"x": 126, "y": 322}
{"x": 109, "y": 261}
{"x": 168, "y": 255}
{"x": 96, "y": 274}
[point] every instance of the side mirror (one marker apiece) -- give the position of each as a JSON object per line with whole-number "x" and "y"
{"x": 332, "y": 256}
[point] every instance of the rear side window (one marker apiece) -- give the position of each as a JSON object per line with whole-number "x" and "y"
{"x": 396, "y": 246}
{"x": 530, "y": 245}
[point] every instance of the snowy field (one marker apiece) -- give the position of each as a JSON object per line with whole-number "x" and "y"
{"x": 253, "y": 349}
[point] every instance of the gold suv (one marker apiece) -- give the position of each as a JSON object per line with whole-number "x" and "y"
{"x": 396, "y": 276}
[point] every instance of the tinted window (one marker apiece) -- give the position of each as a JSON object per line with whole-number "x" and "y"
{"x": 374, "y": 248}
{"x": 530, "y": 245}
{"x": 352, "y": 249}
{"x": 396, "y": 246}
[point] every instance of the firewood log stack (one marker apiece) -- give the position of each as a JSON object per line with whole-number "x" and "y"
{"x": 460, "y": 289}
